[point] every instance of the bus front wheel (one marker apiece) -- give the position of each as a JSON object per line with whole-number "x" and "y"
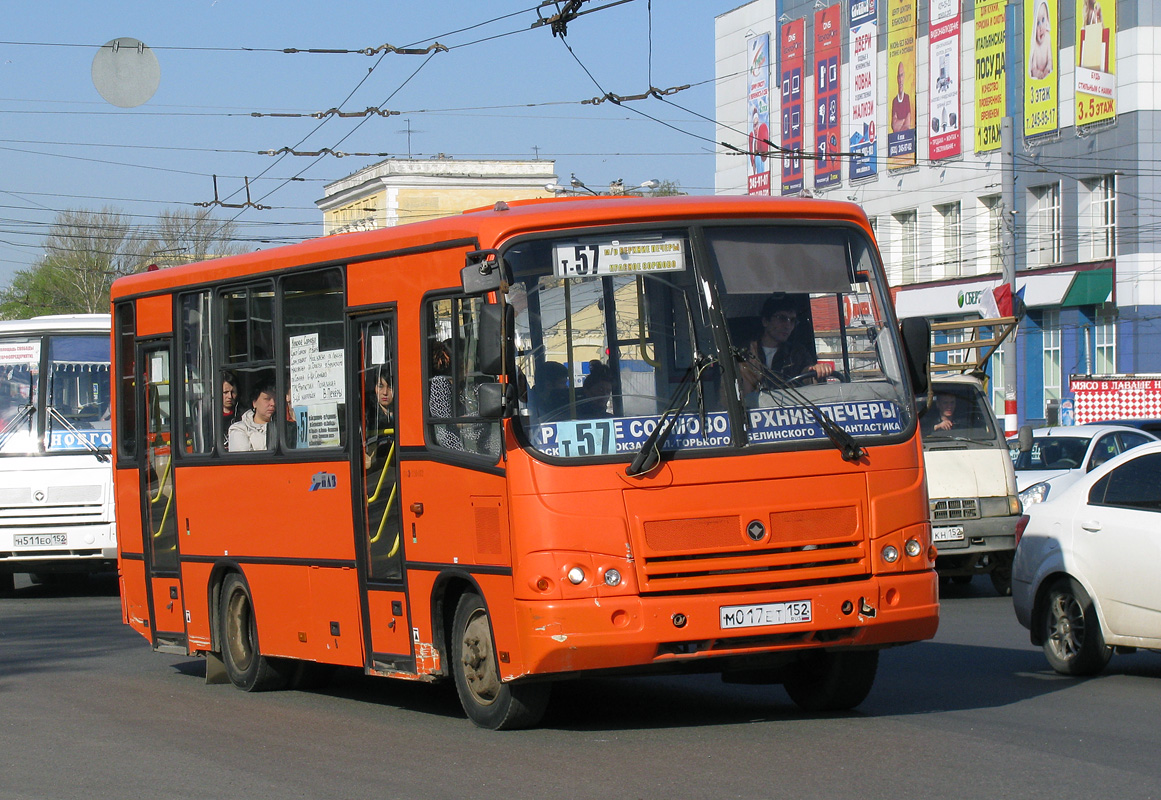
{"x": 245, "y": 665}
{"x": 489, "y": 702}
{"x": 832, "y": 681}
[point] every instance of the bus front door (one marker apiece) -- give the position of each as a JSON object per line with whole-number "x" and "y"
{"x": 378, "y": 523}
{"x": 159, "y": 502}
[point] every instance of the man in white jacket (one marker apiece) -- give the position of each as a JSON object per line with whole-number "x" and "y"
{"x": 250, "y": 432}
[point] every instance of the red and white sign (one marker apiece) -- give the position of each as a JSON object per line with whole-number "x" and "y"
{"x": 1115, "y": 397}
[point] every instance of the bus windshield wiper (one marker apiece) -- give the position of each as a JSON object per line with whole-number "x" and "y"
{"x": 649, "y": 456}
{"x": 850, "y": 449}
{"x": 84, "y": 440}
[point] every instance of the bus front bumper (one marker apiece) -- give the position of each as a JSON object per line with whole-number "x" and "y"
{"x": 614, "y": 633}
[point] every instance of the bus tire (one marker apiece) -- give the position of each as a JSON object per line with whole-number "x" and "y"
{"x": 489, "y": 702}
{"x": 245, "y": 665}
{"x": 832, "y": 681}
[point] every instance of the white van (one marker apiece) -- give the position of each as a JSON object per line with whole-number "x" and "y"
{"x": 971, "y": 484}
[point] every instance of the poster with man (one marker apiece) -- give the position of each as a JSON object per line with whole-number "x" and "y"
{"x": 901, "y": 30}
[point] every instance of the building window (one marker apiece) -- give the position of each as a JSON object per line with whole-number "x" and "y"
{"x": 952, "y": 239}
{"x": 994, "y": 233}
{"x": 907, "y": 223}
{"x": 1050, "y": 329}
{"x": 1044, "y": 229}
{"x": 1105, "y": 345}
{"x": 1099, "y": 219}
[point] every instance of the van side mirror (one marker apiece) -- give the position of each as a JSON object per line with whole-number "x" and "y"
{"x": 916, "y": 335}
{"x": 1024, "y": 438}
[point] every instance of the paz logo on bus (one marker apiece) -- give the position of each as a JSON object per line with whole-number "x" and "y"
{"x": 756, "y": 530}
{"x": 323, "y": 480}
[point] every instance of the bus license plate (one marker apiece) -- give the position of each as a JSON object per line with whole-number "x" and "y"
{"x": 765, "y": 614}
{"x": 39, "y": 540}
{"x": 953, "y": 533}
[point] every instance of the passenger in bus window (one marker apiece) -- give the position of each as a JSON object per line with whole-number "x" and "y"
{"x": 250, "y": 432}
{"x": 550, "y": 394}
{"x": 782, "y": 346}
{"x": 229, "y": 403}
{"x": 380, "y": 424}
{"x": 597, "y": 391}
{"x": 441, "y": 393}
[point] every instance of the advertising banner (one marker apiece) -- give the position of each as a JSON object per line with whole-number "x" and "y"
{"x": 943, "y": 87}
{"x": 828, "y": 170}
{"x": 901, "y": 30}
{"x": 991, "y": 73}
{"x": 1096, "y": 62}
{"x": 864, "y": 55}
{"x": 1041, "y": 89}
{"x": 758, "y": 103}
{"x": 792, "y": 65}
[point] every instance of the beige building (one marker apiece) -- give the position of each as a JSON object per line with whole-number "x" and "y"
{"x": 397, "y": 191}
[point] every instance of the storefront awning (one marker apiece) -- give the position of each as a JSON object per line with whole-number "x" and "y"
{"x": 1089, "y": 288}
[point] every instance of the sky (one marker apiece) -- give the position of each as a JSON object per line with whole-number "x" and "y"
{"x": 503, "y": 89}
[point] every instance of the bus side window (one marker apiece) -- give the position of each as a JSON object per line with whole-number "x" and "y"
{"x": 453, "y": 377}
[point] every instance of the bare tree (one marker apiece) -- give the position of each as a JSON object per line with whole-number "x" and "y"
{"x": 85, "y": 251}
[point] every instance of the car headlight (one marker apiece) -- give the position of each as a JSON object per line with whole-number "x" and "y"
{"x": 1037, "y": 493}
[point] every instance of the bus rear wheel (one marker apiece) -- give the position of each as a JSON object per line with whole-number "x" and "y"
{"x": 489, "y": 702}
{"x": 832, "y": 681}
{"x": 245, "y": 665}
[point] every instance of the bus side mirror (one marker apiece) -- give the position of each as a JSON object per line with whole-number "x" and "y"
{"x": 916, "y": 335}
{"x": 484, "y": 272}
{"x": 1024, "y": 438}
{"x": 495, "y": 319}
{"x": 493, "y": 399}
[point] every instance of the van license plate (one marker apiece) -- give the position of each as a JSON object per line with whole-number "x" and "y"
{"x": 765, "y": 614}
{"x": 953, "y": 533}
{"x": 40, "y": 540}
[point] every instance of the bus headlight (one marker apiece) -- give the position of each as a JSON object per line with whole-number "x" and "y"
{"x": 890, "y": 554}
{"x": 912, "y": 547}
{"x": 612, "y": 577}
{"x": 576, "y": 576}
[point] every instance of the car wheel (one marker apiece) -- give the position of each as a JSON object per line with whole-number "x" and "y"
{"x": 1073, "y": 641}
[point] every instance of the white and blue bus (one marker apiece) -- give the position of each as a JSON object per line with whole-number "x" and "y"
{"x": 56, "y": 504}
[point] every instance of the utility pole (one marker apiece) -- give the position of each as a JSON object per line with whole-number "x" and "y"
{"x": 1008, "y": 261}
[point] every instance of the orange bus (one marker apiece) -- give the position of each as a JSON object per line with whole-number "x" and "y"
{"x": 530, "y": 442}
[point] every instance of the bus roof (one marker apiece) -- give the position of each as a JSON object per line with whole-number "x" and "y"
{"x": 56, "y": 323}
{"x": 487, "y": 228}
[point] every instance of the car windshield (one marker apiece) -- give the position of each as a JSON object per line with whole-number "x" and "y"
{"x": 616, "y": 331}
{"x": 1054, "y": 452}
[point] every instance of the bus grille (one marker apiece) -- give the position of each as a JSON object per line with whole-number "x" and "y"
{"x": 715, "y": 553}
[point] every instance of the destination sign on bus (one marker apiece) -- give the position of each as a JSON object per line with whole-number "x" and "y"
{"x": 605, "y": 437}
{"x": 618, "y": 257}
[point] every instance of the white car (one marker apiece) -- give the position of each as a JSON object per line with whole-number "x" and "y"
{"x": 1063, "y": 454}
{"x": 1085, "y": 575}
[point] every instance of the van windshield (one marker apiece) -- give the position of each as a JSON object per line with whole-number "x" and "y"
{"x": 958, "y": 412}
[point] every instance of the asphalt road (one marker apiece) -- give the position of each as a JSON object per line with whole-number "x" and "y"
{"x": 88, "y": 711}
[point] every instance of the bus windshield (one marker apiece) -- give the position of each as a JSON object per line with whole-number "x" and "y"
{"x": 75, "y": 413}
{"x": 733, "y": 335}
